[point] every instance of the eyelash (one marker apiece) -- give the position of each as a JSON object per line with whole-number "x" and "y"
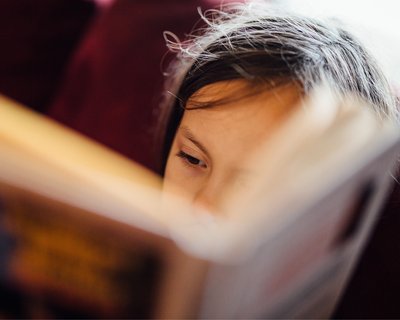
{"x": 190, "y": 160}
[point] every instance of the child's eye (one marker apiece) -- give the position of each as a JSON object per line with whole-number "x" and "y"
{"x": 191, "y": 160}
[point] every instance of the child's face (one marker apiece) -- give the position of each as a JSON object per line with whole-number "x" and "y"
{"x": 211, "y": 145}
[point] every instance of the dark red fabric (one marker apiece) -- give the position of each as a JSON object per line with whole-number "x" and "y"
{"x": 37, "y": 38}
{"x": 115, "y": 80}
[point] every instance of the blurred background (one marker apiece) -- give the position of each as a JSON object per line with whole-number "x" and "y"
{"x": 96, "y": 66}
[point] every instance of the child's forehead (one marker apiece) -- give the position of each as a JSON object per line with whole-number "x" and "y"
{"x": 239, "y": 122}
{"x": 216, "y": 89}
{"x": 237, "y": 98}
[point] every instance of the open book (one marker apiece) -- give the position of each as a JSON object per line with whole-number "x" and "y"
{"x": 85, "y": 232}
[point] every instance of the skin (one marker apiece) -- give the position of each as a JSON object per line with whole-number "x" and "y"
{"x": 211, "y": 145}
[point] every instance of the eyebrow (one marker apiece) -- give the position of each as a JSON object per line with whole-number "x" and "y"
{"x": 190, "y": 136}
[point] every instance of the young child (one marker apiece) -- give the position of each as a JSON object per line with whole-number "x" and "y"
{"x": 235, "y": 81}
